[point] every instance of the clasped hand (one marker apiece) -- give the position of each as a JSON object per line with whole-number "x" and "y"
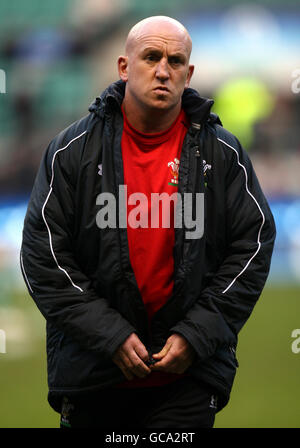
{"x": 175, "y": 357}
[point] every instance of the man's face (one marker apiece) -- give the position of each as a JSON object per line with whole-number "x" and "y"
{"x": 157, "y": 69}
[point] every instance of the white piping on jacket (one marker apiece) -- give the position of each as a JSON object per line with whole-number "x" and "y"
{"x": 43, "y": 211}
{"x": 263, "y": 216}
{"x": 24, "y": 272}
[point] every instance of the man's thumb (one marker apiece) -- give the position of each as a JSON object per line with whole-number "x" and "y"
{"x": 163, "y": 351}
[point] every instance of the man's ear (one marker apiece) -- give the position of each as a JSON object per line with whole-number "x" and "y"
{"x": 189, "y": 76}
{"x": 123, "y": 68}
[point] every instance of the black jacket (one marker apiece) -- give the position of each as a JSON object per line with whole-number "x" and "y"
{"x": 80, "y": 276}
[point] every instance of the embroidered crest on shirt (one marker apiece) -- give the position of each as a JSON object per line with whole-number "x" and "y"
{"x": 174, "y": 168}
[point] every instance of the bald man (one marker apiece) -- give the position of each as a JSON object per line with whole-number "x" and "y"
{"x": 147, "y": 242}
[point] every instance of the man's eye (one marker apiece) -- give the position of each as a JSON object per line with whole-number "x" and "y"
{"x": 152, "y": 57}
{"x": 175, "y": 61}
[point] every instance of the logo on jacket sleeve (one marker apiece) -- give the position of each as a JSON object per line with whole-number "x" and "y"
{"x": 174, "y": 168}
{"x": 66, "y": 410}
{"x": 213, "y": 402}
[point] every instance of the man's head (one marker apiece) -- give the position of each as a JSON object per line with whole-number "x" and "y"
{"x": 156, "y": 66}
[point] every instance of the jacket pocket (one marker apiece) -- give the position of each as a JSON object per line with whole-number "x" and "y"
{"x": 54, "y": 341}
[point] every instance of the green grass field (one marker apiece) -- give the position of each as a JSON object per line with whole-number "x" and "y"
{"x": 266, "y": 392}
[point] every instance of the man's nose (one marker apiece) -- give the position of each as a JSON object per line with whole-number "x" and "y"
{"x": 162, "y": 70}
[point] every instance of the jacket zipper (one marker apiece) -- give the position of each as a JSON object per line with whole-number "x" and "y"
{"x": 127, "y": 271}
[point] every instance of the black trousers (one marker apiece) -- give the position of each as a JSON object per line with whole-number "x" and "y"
{"x": 185, "y": 403}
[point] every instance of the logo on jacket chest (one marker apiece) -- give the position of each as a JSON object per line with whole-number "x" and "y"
{"x": 206, "y": 168}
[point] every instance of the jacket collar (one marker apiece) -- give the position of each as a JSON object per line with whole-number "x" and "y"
{"x": 196, "y": 107}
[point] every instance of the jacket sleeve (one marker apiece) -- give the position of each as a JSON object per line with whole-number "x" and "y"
{"x": 227, "y": 302}
{"x": 60, "y": 289}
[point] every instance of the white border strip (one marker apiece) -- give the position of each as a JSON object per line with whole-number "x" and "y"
{"x": 263, "y": 216}
{"x": 24, "y": 272}
{"x": 43, "y": 210}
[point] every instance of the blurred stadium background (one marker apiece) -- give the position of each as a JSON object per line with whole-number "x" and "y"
{"x": 55, "y": 57}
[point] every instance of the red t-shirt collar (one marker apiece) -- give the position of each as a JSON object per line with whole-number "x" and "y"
{"x": 153, "y": 138}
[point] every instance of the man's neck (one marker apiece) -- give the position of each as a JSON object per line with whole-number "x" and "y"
{"x": 150, "y": 121}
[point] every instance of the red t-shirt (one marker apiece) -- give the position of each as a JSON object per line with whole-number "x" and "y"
{"x": 151, "y": 163}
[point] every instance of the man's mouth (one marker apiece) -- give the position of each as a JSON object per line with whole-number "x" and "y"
{"x": 161, "y": 89}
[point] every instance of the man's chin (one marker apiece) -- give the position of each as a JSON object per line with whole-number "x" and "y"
{"x": 161, "y": 104}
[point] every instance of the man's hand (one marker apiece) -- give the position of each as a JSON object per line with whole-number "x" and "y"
{"x": 176, "y": 355}
{"x": 130, "y": 357}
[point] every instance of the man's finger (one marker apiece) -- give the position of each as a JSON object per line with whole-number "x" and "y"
{"x": 142, "y": 352}
{"x": 164, "y": 363}
{"x": 163, "y": 351}
{"x": 127, "y": 373}
{"x": 138, "y": 366}
{"x": 123, "y": 364}
{"x": 133, "y": 363}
